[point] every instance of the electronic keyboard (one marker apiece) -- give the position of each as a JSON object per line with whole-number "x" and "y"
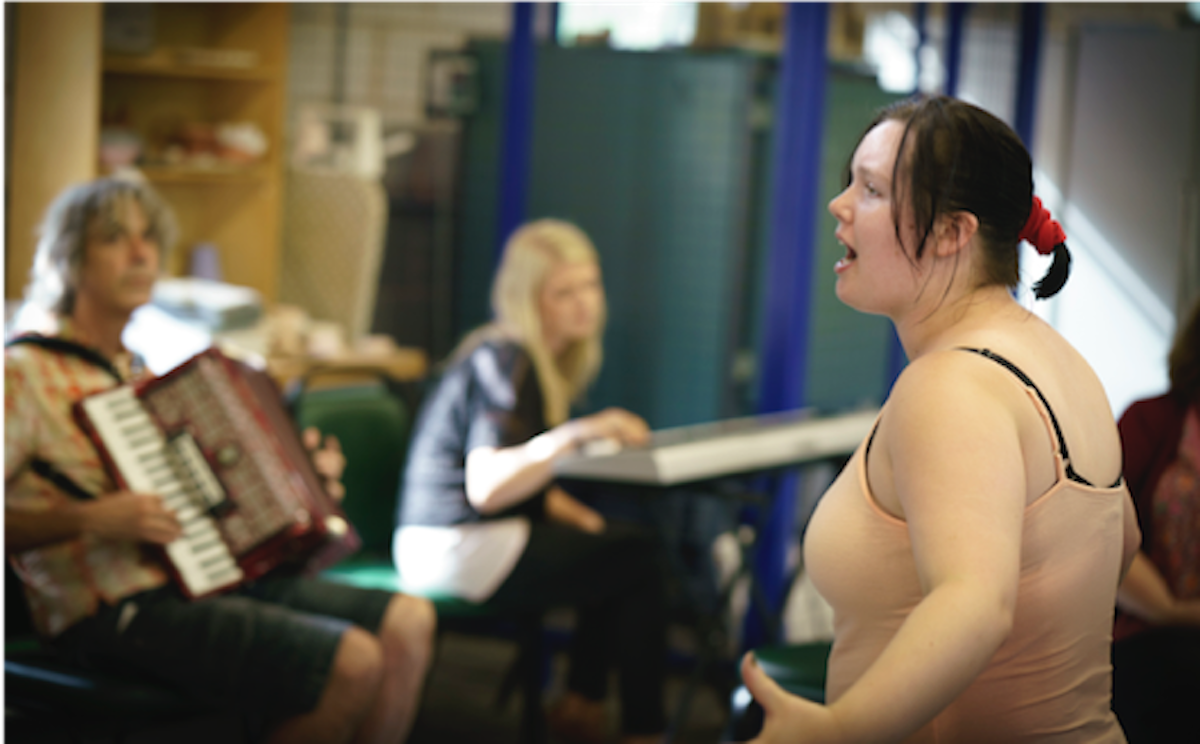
{"x": 717, "y": 449}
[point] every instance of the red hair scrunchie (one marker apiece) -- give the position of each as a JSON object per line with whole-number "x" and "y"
{"x": 1041, "y": 231}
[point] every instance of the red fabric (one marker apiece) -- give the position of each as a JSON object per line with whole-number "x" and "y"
{"x": 1150, "y": 432}
{"x": 1042, "y": 231}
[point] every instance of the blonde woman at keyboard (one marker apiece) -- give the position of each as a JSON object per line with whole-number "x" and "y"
{"x": 480, "y": 517}
{"x": 972, "y": 547}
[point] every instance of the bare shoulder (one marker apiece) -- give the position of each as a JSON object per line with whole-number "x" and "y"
{"x": 950, "y": 378}
{"x": 1032, "y": 365}
{"x": 949, "y": 420}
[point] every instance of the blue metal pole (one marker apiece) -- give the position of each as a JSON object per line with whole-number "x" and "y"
{"x": 517, "y": 132}
{"x": 799, "y": 120}
{"x": 554, "y": 11}
{"x": 922, "y": 21}
{"x": 954, "y": 42}
{"x": 896, "y": 358}
{"x": 1032, "y": 15}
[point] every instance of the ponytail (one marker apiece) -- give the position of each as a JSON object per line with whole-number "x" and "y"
{"x": 1047, "y": 236}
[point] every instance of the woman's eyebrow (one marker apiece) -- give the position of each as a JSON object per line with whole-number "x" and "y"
{"x": 866, "y": 172}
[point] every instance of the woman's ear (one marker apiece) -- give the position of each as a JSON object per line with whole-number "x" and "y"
{"x": 955, "y": 231}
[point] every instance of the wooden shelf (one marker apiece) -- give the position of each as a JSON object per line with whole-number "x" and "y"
{"x": 211, "y": 63}
{"x": 161, "y": 174}
{"x": 169, "y": 69}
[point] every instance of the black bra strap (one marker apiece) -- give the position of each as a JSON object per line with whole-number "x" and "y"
{"x": 62, "y": 346}
{"x": 1024, "y": 378}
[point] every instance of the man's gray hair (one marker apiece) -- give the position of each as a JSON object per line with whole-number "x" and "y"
{"x": 88, "y": 209}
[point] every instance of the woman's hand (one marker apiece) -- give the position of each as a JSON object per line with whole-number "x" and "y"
{"x": 328, "y": 461}
{"x": 787, "y": 717}
{"x": 500, "y": 477}
{"x": 617, "y": 424}
{"x": 1145, "y": 593}
{"x": 564, "y": 508}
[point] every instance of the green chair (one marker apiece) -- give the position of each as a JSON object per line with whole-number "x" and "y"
{"x": 372, "y": 422}
{"x": 798, "y": 668}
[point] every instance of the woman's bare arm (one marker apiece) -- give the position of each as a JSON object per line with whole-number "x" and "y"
{"x": 1145, "y": 593}
{"x": 959, "y": 480}
{"x": 501, "y": 477}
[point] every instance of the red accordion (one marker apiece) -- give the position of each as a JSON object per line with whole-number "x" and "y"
{"x": 213, "y": 438}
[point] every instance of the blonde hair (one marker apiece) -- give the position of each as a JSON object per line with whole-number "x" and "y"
{"x": 70, "y": 219}
{"x": 530, "y": 254}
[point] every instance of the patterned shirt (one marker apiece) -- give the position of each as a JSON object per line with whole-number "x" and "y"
{"x": 65, "y": 582}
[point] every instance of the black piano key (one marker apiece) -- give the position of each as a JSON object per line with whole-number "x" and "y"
{"x": 192, "y": 532}
{"x": 200, "y": 517}
{"x": 142, "y": 442}
{"x": 122, "y": 415}
{"x": 134, "y": 429}
{"x": 206, "y": 545}
{"x": 208, "y": 562}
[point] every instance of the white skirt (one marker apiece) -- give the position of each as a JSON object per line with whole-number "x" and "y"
{"x": 468, "y": 561}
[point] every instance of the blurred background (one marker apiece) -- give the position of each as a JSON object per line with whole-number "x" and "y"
{"x": 345, "y": 173}
{"x": 348, "y": 160}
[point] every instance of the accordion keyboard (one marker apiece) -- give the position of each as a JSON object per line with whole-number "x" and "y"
{"x": 148, "y": 464}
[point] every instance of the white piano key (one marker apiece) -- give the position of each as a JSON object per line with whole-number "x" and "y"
{"x": 187, "y": 512}
{"x": 201, "y": 558}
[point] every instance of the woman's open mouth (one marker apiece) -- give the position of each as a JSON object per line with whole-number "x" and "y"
{"x": 845, "y": 261}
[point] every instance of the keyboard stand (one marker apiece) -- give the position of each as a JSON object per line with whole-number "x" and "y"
{"x": 794, "y": 440}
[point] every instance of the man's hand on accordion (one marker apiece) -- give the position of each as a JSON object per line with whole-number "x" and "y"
{"x": 124, "y": 515}
{"x": 120, "y": 515}
{"x": 328, "y": 460}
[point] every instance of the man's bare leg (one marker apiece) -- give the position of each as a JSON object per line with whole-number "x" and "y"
{"x": 406, "y": 637}
{"x": 350, "y": 693}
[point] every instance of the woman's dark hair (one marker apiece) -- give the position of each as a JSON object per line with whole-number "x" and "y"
{"x": 1183, "y": 364}
{"x": 957, "y": 157}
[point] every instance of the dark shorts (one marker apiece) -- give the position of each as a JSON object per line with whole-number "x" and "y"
{"x": 265, "y": 649}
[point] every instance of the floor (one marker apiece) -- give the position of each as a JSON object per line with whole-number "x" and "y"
{"x": 459, "y": 706}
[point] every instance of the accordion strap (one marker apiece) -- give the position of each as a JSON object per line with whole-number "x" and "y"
{"x": 45, "y": 468}
{"x": 69, "y": 348}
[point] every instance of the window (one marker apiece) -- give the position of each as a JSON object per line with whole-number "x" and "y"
{"x": 633, "y": 26}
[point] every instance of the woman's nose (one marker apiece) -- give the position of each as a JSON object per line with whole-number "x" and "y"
{"x": 837, "y": 206}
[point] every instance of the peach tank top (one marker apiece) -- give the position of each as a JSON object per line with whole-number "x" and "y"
{"x": 1051, "y": 680}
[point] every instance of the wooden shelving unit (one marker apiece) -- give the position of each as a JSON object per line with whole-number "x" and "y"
{"x": 170, "y": 87}
{"x": 220, "y": 176}
{"x": 134, "y": 67}
{"x": 54, "y": 99}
